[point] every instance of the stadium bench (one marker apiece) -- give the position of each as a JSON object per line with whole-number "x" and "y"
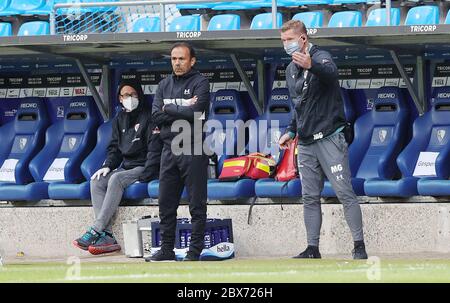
{"x": 430, "y": 135}
{"x": 22, "y": 139}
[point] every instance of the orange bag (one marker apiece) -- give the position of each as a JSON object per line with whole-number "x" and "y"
{"x": 253, "y": 166}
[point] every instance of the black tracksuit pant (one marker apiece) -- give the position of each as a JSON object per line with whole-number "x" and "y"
{"x": 176, "y": 171}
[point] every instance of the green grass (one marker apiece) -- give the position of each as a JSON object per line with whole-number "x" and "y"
{"x": 238, "y": 270}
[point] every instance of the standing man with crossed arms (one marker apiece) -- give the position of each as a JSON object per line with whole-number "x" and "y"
{"x": 182, "y": 98}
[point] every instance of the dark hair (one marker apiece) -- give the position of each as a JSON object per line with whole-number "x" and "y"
{"x": 186, "y": 45}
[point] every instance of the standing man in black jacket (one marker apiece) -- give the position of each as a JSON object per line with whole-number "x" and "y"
{"x": 182, "y": 99}
{"x": 319, "y": 123}
{"x": 133, "y": 155}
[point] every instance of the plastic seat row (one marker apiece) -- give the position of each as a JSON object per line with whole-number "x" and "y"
{"x": 381, "y": 165}
{"x": 421, "y": 15}
{"x": 256, "y": 4}
{"x": 60, "y": 167}
{"x": 264, "y": 139}
{"x": 33, "y": 28}
{"x": 44, "y": 7}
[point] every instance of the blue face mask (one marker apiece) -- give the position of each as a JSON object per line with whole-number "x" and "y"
{"x": 292, "y": 48}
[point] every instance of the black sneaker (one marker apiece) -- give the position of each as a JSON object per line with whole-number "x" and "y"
{"x": 161, "y": 256}
{"x": 359, "y": 252}
{"x": 311, "y": 252}
{"x": 191, "y": 257}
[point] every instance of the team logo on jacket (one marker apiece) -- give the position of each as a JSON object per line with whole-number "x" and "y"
{"x": 187, "y": 91}
{"x": 441, "y": 135}
{"x": 22, "y": 143}
{"x": 382, "y": 135}
{"x": 136, "y": 127}
{"x": 72, "y": 142}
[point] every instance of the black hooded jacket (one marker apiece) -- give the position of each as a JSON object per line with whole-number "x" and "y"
{"x": 134, "y": 140}
{"x": 172, "y": 92}
{"x": 319, "y": 109}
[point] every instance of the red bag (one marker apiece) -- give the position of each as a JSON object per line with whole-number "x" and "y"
{"x": 287, "y": 169}
{"x": 253, "y": 166}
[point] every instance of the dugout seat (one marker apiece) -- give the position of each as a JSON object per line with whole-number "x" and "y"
{"x": 430, "y": 145}
{"x": 349, "y": 110}
{"x": 67, "y": 144}
{"x": 22, "y": 139}
{"x": 379, "y": 138}
{"x": 280, "y": 108}
{"x": 222, "y": 139}
{"x": 439, "y": 185}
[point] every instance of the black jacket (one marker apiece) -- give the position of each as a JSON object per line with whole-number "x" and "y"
{"x": 319, "y": 109}
{"x": 134, "y": 142}
{"x": 172, "y": 92}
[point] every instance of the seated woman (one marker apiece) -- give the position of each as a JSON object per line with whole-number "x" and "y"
{"x": 133, "y": 155}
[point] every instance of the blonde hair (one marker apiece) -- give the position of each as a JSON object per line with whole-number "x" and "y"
{"x": 295, "y": 25}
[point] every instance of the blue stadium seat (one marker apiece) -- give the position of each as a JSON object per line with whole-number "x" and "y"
{"x": 422, "y": 15}
{"x": 80, "y": 191}
{"x": 25, "y": 7}
{"x": 45, "y": 9}
{"x": 224, "y": 22}
{"x": 280, "y": 108}
{"x": 185, "y": 23}
{"x": 147, "y": 24}
{"x": 377, "y": 17}
{"x": 67, "y": 143}
{"x": 6, "y": 10}
{"x": 447, "y": 19}
{"x": 22, "y": 139}
{"x": 196, "y": 5}
{"x": 346, "y": 19}
{"x": 430, "y": 134}
{"x": 264, "y": 21}
{"x": 83, "y": 10}
{"x": 379, "y": 137}
{"x": 5, "y": 29}
{"x": 227, "y": 106}
{"x": 310, "y": 19}
{"x": 34, "y": 28}
{"x": 238, "y": 5}
{"x": 340, "y": 2}
{"x": 439, "y": 185}
{"x": 349, "y": 110}
{"x": 153, "y": 191}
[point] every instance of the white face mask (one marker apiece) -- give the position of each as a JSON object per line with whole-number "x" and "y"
{"x": 130, "y": 103}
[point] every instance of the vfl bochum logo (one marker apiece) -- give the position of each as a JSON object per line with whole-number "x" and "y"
{"x": 72, "y": 142}
{"x": 22, "y": 143}
{"x": 382, "y": 135}
{"x": 441, "y": 135}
